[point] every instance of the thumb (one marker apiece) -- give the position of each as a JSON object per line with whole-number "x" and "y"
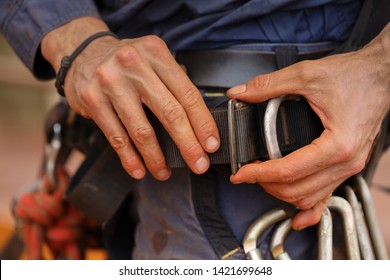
{"x": 267, "y": 86}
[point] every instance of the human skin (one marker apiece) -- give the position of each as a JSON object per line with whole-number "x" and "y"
{"x": 351, "y": 94}
{"x": 111, "y": 81}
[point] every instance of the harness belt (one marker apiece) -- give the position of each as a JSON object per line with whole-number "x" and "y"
{"x": 214, "y": 71}
{"x": 100, "y": 188}
{"x": 225, "y": 68}
{"x": 297, "y": 126}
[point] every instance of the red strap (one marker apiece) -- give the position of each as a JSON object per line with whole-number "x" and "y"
{"x": 48, "y": 218}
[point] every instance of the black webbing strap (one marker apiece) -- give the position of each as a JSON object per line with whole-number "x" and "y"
{"x": 215, "y": 228}
{"x": 100, "y": 185}
{"x": 297, "y": 126}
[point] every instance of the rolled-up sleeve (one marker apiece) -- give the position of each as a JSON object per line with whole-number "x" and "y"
{"x": 25, "y": 22}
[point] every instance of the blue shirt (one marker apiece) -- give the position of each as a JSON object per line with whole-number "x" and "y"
{"x": 183, "y": 24}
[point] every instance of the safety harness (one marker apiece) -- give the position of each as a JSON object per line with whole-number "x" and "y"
{"x": 99, "y": 189}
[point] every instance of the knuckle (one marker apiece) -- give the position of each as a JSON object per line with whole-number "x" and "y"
{"x": 156, "y": 164}
{"x": 143, "y": 135}
{"x": 357, "y": 166}
{"x": 287, "y": 176}
{"x": 193, "y": 151}
{"x": 262, "y": 81}
{"x": 90, "y": 99}
{"x": 191, "y": 98}
{"x": 118, "y": 142}
{"x": 346, "y": 151}
{"x": 287, "y": 194}
{"x": 304, "y": 203}
{"x": 206, "y": 128}
{"x": 128, "y": 56}
{"x": 105, "y": 75}
{"x": 173, "y": 112}
{"x": 304, "y": 70}
{"x": 154, "y": 43}
{"x": 307, "y": 72}
{"x": 129, "y": 163}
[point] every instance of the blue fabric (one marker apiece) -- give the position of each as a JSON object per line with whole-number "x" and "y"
{"x": 24, "y": 23}
{"x": 187, "y": 24}
{"x": 184, "y": 24}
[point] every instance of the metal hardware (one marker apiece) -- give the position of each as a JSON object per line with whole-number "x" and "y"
{"x": 233, "y": 105}
{"x": 377, "y": 239}
{"x": 270, "y": 134}
{"x": 52, "y": 151}
{"x": 325, "y": 236}
{"x": 278, "y": 238}
{"x": 362, "y": 237}
{"x": 272, "y": 144}
{"x": 365, "y": 244}
{"x": 342, "y": 206}
{"x": 257, "y": 228}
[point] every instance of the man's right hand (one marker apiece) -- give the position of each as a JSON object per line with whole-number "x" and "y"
{"x": 111, "y": 81}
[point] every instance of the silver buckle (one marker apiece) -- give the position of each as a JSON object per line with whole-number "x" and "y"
{"x": 233, "y": 105}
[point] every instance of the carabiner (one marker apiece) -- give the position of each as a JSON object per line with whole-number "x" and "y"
{"x": 270, "y": 134}
{"x": 257, "y": 228}
{"x": 363, "y": 192}
{"x": 52, "y": 151}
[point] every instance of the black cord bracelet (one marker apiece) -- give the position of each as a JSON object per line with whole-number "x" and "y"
{"x": 66, "y": 61}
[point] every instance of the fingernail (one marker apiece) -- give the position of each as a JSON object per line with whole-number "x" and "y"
{"x": 237, "y": 89}
{"x": 163, "y": 174}
{"x": 138, "y": 174}
{"x": 212, "y": 144}
{"x": 202, "y": 164}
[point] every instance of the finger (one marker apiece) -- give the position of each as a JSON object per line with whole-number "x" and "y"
{"x": 309, "y": 190}
{"x": 303, "y": 162}
{"x": 143, "y": 136}
{"x": 128, "y": 107}
{"x": 289, "y": 80}
{"x": 309, "y": 217}
{"x": 177, "y": 82}
{"x": 159, "y": 99}
{"x": 117, "y": 136}
{"x": 175, "y": 120}
{"x": 189, "y": 97}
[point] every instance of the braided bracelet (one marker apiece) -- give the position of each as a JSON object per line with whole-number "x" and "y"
{"x": 66, "y": 61}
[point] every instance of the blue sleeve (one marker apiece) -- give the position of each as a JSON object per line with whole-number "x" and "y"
{"x": 25, "y": 22}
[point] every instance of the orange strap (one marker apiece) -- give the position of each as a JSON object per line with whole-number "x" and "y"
{"x": 46, "y": 218}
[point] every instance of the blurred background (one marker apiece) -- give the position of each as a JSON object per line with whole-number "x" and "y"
{"x": 24, "y": 103}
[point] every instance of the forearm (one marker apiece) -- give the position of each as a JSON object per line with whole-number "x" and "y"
{"x": 63, "y": 40}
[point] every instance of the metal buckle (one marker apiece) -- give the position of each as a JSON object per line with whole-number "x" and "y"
{"x": 271, "y": 139}
{"x": 233, "y": 105}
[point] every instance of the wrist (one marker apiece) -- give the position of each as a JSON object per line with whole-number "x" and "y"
{"x": 66, "y": 61}
{"x": 63, "y": 40}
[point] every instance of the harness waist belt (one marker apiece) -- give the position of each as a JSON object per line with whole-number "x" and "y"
{"x": 297, "y": 125}
{"x": 94, "y": 189}
{"x": 230, "y": 67}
